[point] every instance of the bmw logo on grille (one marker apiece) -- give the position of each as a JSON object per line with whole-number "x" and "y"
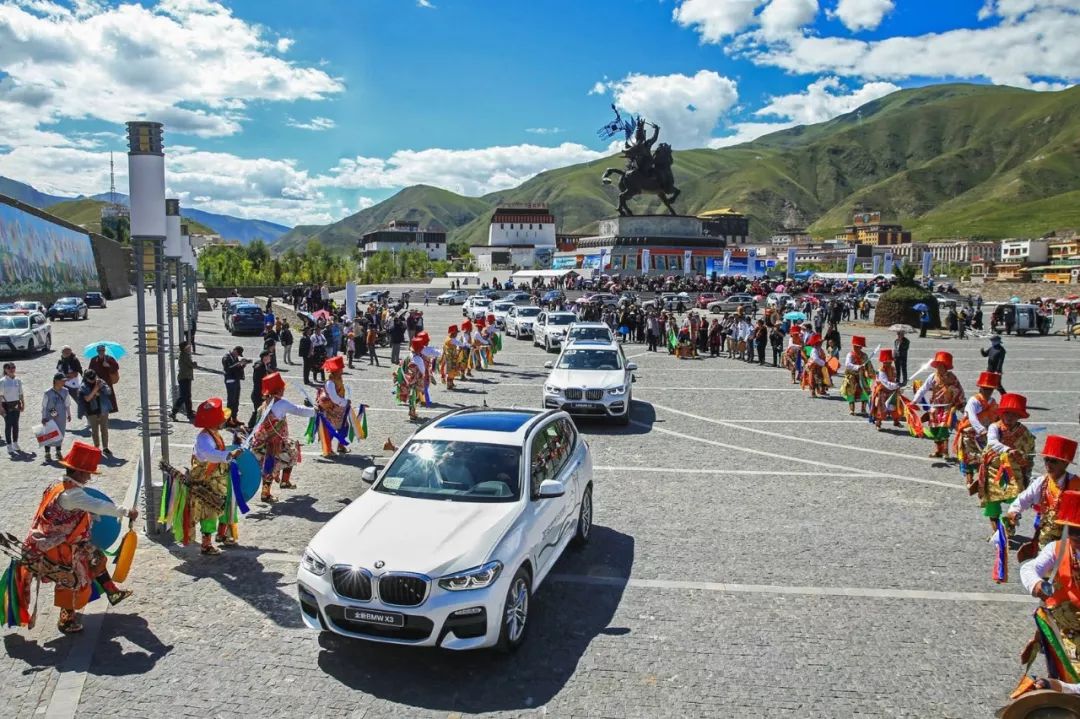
{"x": 380, "y": 564}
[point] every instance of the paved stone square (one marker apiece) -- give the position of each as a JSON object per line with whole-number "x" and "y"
{"x": 757, "y": 553}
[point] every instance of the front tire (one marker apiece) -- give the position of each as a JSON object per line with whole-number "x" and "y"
{"x": 584, "y": 522}
{"x": 514, "y": 625}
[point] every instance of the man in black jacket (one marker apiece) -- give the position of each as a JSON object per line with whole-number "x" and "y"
{"x": 233, "y": 364}
{"x": 260, "y": 370}
{"x": 900, "y": 350}
{"x": 397, "y": 336}
{"x": 995, "y": 358}
{"x": 305, "y": 354}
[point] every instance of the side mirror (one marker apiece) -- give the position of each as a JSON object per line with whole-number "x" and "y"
{"x": 548, "y": 365}
{"x": 550, "y": 489}
{"x": 368, "y": 475}
{"x": 630, "y": 367}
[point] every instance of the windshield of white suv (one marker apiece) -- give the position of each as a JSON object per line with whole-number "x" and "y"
{"x": 21, "y": 322}
{"x": 503, "y": 306}
{"x": 454, "y": 471}
{"x": 561, "y": 319}
{"x": 590, "y": 359}
{"x": 590, "y": 333}
{"x": 527, "y": 312}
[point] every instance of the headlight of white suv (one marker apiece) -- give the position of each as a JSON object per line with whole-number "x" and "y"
{"x": 313, "y": 562}
{"x": 476, "y": 578}
{"x": 616, "y": 391}
{"x": 552, "y": 389}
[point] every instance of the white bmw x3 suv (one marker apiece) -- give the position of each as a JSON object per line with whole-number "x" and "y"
{"x": 591, "y": 378}
{"x": 449, "y": 544}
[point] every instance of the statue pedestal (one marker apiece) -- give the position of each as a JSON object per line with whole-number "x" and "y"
{"x": 673, "y": 226}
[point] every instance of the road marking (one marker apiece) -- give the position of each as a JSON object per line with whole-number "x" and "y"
{"x": 787, "y": 458}
{"x": 860, "y": 592}
{"x": 64, "y": 702}
{"x": 738, "y": 472}
{"x": 731, "y": 425}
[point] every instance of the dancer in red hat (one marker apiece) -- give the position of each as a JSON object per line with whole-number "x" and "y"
{"x": 884, "y": 394}
{"x": 277, "y": 452}
{"x": 481, "y": 345}
{"x": 1006, "y": 461}
{"x": 59, "y": 547}
{"x": 816, "y": 372}
{"x": 491, "y": 334}
{"x": 944, "y": 397}
{"x": 409, "y": 378}
{"x": 858, "y": 373}
{"x": 1045, "y": 491}
{"x": 429, "y": 356}
{"x": 334, "y": 409}
{"x": 210, "y": 471}
{"x": 450, "y": 364}
{"x": 793, "y": 355}
{"x": 980, "y": 412}
{"x": 471, "y": 360}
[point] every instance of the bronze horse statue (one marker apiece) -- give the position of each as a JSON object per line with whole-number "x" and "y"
{"x": 659, "y": 181}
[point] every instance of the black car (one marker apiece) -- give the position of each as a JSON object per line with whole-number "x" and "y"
{"x": 68, "y": 308}
{"x": 245, "y": 318}
{"x": 94, "y": 299}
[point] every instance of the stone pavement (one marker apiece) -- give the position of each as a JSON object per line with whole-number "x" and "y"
{"x": 756, "y": 553}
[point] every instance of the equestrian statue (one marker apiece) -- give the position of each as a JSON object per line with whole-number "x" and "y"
{"x": 647, "y": 170}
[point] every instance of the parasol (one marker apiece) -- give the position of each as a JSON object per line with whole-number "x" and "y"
{"x": 780, "y": 288}
{"x": 900, "y": 327}
{"x": 321, "y": 315}
{"x": 1014, "y": 300}
{"x": 921, "y": 307}
{"x": 112, "y": 349}
{"x": 795, "y": 316}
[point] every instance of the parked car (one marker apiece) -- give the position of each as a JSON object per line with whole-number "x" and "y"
{"x": 519, "y": 321}
{"x": 670, "y": 301}
{"x": 779, "y": 300}
{"x": 872, "y": 298}
{"x": 1022, "y": 318}
{"x": 591, "y": 377}
{"x": 449, "y": 545}
{"x": 68, "y": 308}
{"x": 31, "y": 306}
{"x": 553, "y": 296}
{"x": 95, "y": 299}
{"x": 704, "y": 299}
{"x": 604, "y": 299}
{"x": 452, "y": 297}
{"x": 589, "y": 331}
{"x": 550, "y": 328}
{"x": 229, "y": 304}
{"x": 518, "y": 298}
{"x": 475, "y": 307}
{"x": 369, "y": 296}
{"x": 732, "y": 303}
{"x": 490, "y": 293}
{"x": 23, "y": 331}
{"x": 628, "y": 298}
{"x": 500, "y": 309}
{"x": 244, "y": 319}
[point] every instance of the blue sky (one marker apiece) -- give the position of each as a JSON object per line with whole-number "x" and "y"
{"x": 307, "y": 112}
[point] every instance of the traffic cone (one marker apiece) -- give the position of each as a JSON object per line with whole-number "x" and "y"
{"x": 388, "y": 446}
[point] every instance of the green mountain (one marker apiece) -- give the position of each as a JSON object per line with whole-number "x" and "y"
{"x": 421, "y": 203}
{"x": 944, "y": 160}
{"x": 86, "y": 212}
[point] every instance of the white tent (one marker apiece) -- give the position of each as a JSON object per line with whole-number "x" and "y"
{"x": 856, "y": 276}
{"x": 530, "y": 274}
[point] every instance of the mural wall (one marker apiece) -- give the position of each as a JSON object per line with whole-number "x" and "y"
{"x": 38, "y": 257}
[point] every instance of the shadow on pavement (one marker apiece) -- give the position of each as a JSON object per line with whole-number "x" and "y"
{"x": 110, "y": 658}
{"x": 566, "y": 617}
{"x": 642, "y": 418}
{"x": 299, "y": 506}
{"x": 38, "y": 657}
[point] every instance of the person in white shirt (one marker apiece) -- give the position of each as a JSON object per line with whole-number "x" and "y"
{"x": 277, "y": 452}
{"x": 12, "y": 404}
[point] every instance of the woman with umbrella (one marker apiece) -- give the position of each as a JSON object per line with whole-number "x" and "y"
{"x": 104, "y": 356}
{"x": 924, "y": 318}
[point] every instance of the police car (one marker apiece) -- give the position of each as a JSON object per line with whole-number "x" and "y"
{"x": 24, "y": 331}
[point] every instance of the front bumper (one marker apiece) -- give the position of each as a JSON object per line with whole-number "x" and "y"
{"x": 450, "y": 620}
{"x": 14, "y": 344}
{"x": 607, "y": 406}
{"x": 524, "y": 329}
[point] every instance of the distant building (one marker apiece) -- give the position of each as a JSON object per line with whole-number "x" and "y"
{"x": 868, "y": 229}
{"x": 519, "y": 236}
{"x": 792, "y": 237}
{"x": 400, "y": 236}
{"x": 957, "y": 253}
{"x": 732, "y": 227}
{"x": 199, "y": 241}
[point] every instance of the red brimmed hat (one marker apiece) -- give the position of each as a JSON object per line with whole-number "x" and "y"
{"x": 1015, "y": 403}
{"x": 211, "y": 414}
{"x": 82, "y": 457}
{"x": 814, "y": 340}
{"x": 467, "y": 326}
{"x": 334, "y": 364}
{"x": 481, "y": 323}
{"x": 491, "y": 319}
{"x": 795, "y": 330}
{"x": 989, "y": 380}
{"x": 942, "y": 360}
{"x": 273, "y": 383}
{"x": 858, "y": 341}
{"x": 423, "y": 337}
{"x": 1057, "y": 447}
{"x": 885, "y": 355}
{"x": 417, "y": 344}
{"x": 452, "y": 330}
{"x": 1068, "y": 509}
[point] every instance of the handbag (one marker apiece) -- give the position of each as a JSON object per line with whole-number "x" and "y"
{"x": 48, "y": 434}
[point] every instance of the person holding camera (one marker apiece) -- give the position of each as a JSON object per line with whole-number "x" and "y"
{"x": 11, "y": 406}
{"x": 233, "y": 364}
{"x": 96, "y": 398}
{"x": 55, "y": 407}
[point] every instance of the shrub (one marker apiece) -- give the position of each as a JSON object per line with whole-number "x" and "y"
{"x": 896, "y": 306}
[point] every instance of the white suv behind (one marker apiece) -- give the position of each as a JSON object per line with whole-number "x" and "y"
{"x": 592, "y": 378}
{"x": 449, "y": 545}
{"x": 550, "y": 328}
{"x": 452, "y": 297}
{"x": 519, "y": 321}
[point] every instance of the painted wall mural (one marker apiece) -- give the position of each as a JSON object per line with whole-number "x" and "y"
{"x": 39, "y": 257}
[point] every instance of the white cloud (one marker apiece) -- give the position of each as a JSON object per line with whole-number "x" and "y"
{"x": 315, "y": 124}
{"x": 823, "y": 100}
{"x": 425, "y": 4}
{"x": 544, "y": 130}
{"x": 598, "y": 88}
{"x": 687, "y": 108}
{"x": 863, "y": 14}
{"x": 716, "y": 19}
{"x": 469, "y": 172}
{"x": 190, "y": 63}
{"x": 283, "y": 44}
{"x": 782, "y": 17}
{"x": 362, "y": 203}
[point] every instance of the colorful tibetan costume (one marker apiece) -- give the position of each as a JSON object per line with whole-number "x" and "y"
{"x": 409, "y": 379}
{"x": 858, "y": 374}
{"x": 885, "y": 392}
{"x": 450, "y": 361}
{"x": 793, "y": 355}
{"x": 941, "y": 397}
{"x": 816, "y": 376}
{"x": 276, "y": 451}
{"x": 970, "y": 441}
{"x": 336, "y": 418}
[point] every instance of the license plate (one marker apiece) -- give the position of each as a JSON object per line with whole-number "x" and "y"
{"x": 579, "y": 405}
{"x": 371, "y": 616}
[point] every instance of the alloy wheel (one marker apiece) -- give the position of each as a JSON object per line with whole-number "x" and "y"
{"x": 517, "y": 610}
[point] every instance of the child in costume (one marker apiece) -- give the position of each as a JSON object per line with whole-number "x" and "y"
{"x": 59, "y": 547}
{"x": 1054, "y": 577}
{"x": 450, "y": 362}
{"x": 981, "y": 410}
{"x": 277, "y": 452}
{"x": 409, "y": 378}
{"x": 1045, "y": 491}
{"x": 210, "y": 483}
{"x": 793, "y": 355}
{"x": 471, "y": 361}
{"x": 481, "y": 345}
{"x": 1006, "y": 461}
{"x": 493, "y": 337}
{"x": 334, "y": 406}
{"x": 815, "y": 372}
{"x": 944, "y": 396}
{"x": 430, "y": 356}
{"x": 858, "y": 373}
{"x": 885, "y": 392}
